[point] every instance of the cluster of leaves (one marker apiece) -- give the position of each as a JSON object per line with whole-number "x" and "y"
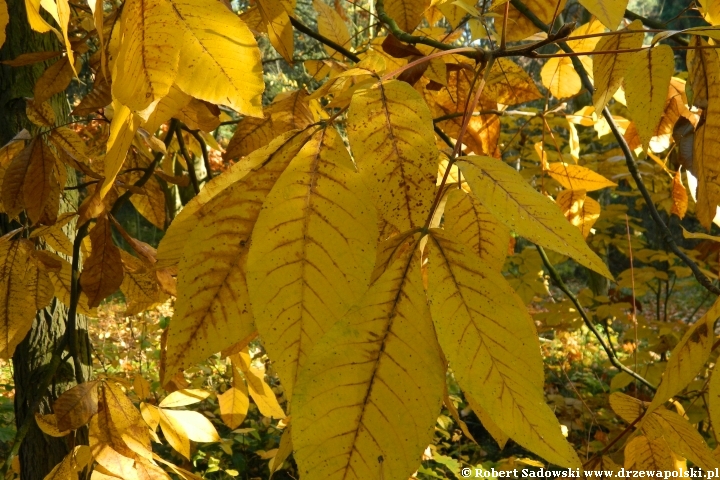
{"x": 367, "y": 273}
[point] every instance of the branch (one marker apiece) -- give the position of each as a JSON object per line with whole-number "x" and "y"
{"x": 629, "y": 160}
{"x": 203, "y": 149}
{"x": 610, "y": 353}
{"x": 477, "y": 55}
{"x": 649, "y": 22}
{"x": 325, "y": 41}
{"x": 189, "y": 161}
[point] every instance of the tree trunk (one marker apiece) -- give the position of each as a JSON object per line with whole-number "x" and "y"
{"x": 39, "y": 453}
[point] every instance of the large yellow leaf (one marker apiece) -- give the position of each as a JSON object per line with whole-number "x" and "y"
{"x": 506, "y": 194}
{"x": 212, "y": 311}
{"x": 102, "y": 273}
{"x": 406, "y": 13}
{"x": 391, "y": 134}
{"x": 181, "y": 426}
{"x": 173, "y": 242}
{"x": 688, "y": 357}
{"x": 581, "y": 210}
{"x": 576, "y": 177}
{"x": 219, "y": 58}
{"x": 147, "y": 64}
{"x": 682, "y": 437}
{"x": 312, "y": 252}
{"x": 646, "y": 88}
{"x": 508, "y": 83}
{"x": 470, "y": 223}
{"x": 369, "y": 395}
{"x": 704, "y": 66}
{"x": 332, "y": 26}
{"x": 122, "y": 131}
{"x": 559, "y": 76}
{"x": 492, "y": 347}
{"x": 643, "y": 453}
{"x": 609, "y": 12}
{"x": 609, "y": 69}
{"x": 277, "y": 22}
{"x": 17, "y": 306}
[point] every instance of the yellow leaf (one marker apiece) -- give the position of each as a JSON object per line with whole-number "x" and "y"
{"x": 142, "y": 291}
{"x": 151, "y": 415}
{"x": 102, "y": 273}
{"x": 36, "y": 21}
{"x": 39, "y": 180}
{"x": 219, "y": 58}
{"x": 75, "y": 461}
{"x": 406, "y": 13}
{"x": 508, "y": 83}
{"x": 559, "y": 76}
{"x": 581, "y": 210}
{"x": 181, "y": 426}
{"x": 381, "y": 361}
{"x": 150, "y": 203}
{"x": 710, "y": 10}
{"x": 54, "y": 79}
{"x": 704, "y": 67}
{"x": 588, "y": 44}
{"x": 74, "y": 407}
{"x": 66, "y": 140}
{"x": 283, "y": 452}
{"x": 391, "y": 135}
{"x": 181, "y": 398}
{"x": 576, "y": 177}
{"x": 147, "y": 63}
{"x": 109, "y": 449}
{"x": 609, "y": 69}
{"x": 40, "y": 113}
{"x": 61, "y": 282}
{"x": 4, "y": 20}
{"x": 173, "y": 242}
{"x": 63, "y": 18}
{"x": 262, "y": 394}
{"x": 496, "y": 432}
{"x": 519, "y": 26}
{"x": 277, "y": 22}
{"x": 492, "y": 346}
{"x": 682, "y": 437}
{"x": 504, "y": 192}
{"x": 212, "y": 311}
{"x": 646, "y": 88}
{"x": 468, "y": 222}
{"x": 39, "y": 285}
{"x": 141, "y": 387}
{"x": 679, "y": 196}
{"x": 234, "y": 404}
{"x": 332, "y": 26}
{"x": 642, "y": 453}
{"x": 687, "y": 358}
{"x": 122, "y": 131}
{"x": 298, "y": 287}
{"x": 16, "y": 175}
{"x": 17, "y": 306}
{"x": 609, "y": 12}
{"x": 48, "y": 424}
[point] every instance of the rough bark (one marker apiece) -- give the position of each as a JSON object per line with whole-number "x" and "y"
{"x": 39, "y": 453}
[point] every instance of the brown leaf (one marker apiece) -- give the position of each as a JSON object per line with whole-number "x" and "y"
{"x": 54, "y": 80}
{"x": 102, "y": 273}
{"x": 679, "y": 196}
{"x": 40, "y": 113}
{"x": 39, "y": 181}
{"x": 74, "y": 407}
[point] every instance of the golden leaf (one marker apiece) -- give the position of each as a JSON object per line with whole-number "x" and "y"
{"x": 36, "y": 21}
{"x": 219, "y": 59}
{"x": 332, "y": 26}
{"x": 39, "y": 285}
{"x": 277, "y": 22}
{"x": 643, "y": 453}
{"x": 109, "y": 449}
{"x": 519, "y": 26}
{"x": 234, "y": 404}
{"x": 66, "y": 140}
{"x": 262, "y": 394}
{"x": 75, "y": 461}
{"x": 17, "y": 306}
{"x": 4, "y": 20}
{"x": 496, "y": 432}
{"x": 298, "y": 287}
{"x": 150, "y": 203}
{"x": 283, "y": 452}
{"x": 468, "y": 222}
{"x": 141, "y": 387}
{"x": 504, "y": 192}
{"x": 679, "y": 196}
{"x": 184, "y": 397}
{"x": 147, "y": 63}
{"x": 706, "y": 148}
{"x": 610, "y": 69}
{"x": 48, "y": 424}
{"x": 492, "y": 346}
{"x": 39, "y": 180}
{"x": 61, "y": 283}
{"x": 40, "y": 113}
{"x": 75, "y": 406}
{"x": 54, "y": 80}
{"x": 508, "y": 83}
{"x": 646, "y": 88}
{"x": 378, "y": 363}
{"x": 102, "y": 273}
{"x": 406, "y": 13}
{"x": 576, "y": 177}
{"x": 212, "y": 311}
{"x": 559, "y": 76}
{"x": 181, "y": 426}
{"x": 391, "y": 135}
{"x": 609, "y": 12}
{"x": 581, "y": 210}
{"x": 122, "y": 131}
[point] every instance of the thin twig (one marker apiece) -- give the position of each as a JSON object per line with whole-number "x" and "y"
{"x": 203, "y": 149}
{"x": 189, "y": 161}
{"x": 324, "y": 40}
{"x": 561, "y": 285}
